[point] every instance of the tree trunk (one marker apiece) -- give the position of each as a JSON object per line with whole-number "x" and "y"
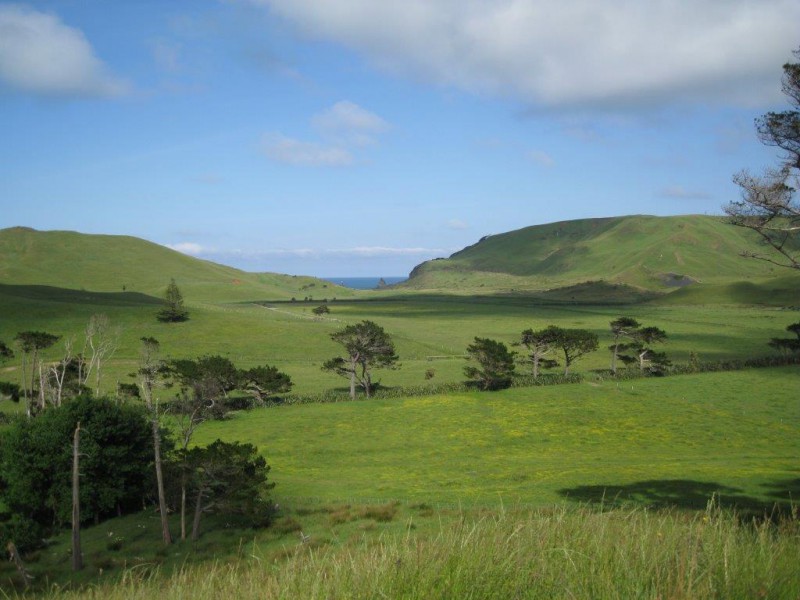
{"x": 198, "y": 512}
{"x": 162, "y": 501}
{"x": 535, "y": 366}
{"x": 614, "y": 356}
{"x": 77, "y": 557}
{"x": 183, "y": 508}
{"x": 353, "y": 383}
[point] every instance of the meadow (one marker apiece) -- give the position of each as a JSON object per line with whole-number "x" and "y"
{"x": 430, "y": 331}
{"x": 682, "y": 486}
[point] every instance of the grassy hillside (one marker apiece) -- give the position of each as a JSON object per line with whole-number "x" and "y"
{"x": 110, "y": 263}
{"x": 654, "y": 253}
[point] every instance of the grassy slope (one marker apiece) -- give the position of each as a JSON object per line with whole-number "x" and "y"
{"x": 640, "y": 251}
{"x": 672, "y": 440}
{"x": 106, "y": 263}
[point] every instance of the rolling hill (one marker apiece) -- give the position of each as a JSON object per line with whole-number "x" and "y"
{"x": 656, "y": 254}
{"x": 111, "y": 263}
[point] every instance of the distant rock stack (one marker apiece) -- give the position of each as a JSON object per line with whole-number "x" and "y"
{"x": 382, "y": 284}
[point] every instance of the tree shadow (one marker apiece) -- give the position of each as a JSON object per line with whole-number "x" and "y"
{"x": 691, "y": 495}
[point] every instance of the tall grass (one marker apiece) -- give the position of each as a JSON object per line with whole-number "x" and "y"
{"x": 554, "y": 553}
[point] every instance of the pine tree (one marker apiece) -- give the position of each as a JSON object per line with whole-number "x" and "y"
{"x": 174, "y": 312}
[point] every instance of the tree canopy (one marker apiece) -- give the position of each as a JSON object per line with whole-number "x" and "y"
{"x": 768, "y": 203}
{"x": 495, "y": 370}
{"x": 367, "y": 346}
{"x": 174, "y": 311}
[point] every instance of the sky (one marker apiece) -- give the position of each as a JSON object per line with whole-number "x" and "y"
{"x": 362, "y": 137}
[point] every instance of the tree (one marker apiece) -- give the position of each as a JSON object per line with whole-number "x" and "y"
{"x": 622, "y": 327}
{"x": 320, "y": 310}
{"x": 31, "y": 343}
{"x": 539, "y": 345}
{"x": 643, "y": 353}
{"x": 151, "y": 370}
{"x": 230, "y": 479}
{"x": 788, "y": 345}
{"x": 263, "y": 382}
{"x": 768, "y": 204}
{"x": 367, "y": 346}
{"x": 36, "y": 466}
{"x": 496, "y": 364}
{"x": 216, "y": 373}
{"x": 573, "y": 343}
{"x": 174, "y": 312}
{"x": 100, "y": 343}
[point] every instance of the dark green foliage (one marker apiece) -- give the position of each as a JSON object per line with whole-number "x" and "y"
{"x": 539, "y": 344}
{"x": 641, "y": 351}
{"x": 320, "y": 310}
{"x": 264, "y": 382}
{"x": 573, "y": 343}
{"x": 367, "y": 346}
{"x": 10, "y": 391}
{"x": 621, "y": 328}
{"x": 5, "y": 351}
{"x": 174, "y": 312}
{"x": 36, "y": 458}
{"x": 788, "y": 345}
{"x": 495, "y": 370}
{"x": 216, "y": 374}
{"x": 230, "y": 479}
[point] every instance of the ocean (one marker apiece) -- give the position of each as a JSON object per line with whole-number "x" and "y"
{"x": 363, "y": 283}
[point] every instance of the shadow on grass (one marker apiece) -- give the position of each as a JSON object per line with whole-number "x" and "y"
{"x": 693, "y": 495}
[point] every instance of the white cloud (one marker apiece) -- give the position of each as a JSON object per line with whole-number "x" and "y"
{"x": 680, "y": 193}
{"x": 569, "y": 52}
{"x": 42, "y": 55}
{"x": 350, "y": 123}
{"x": 296, "y": 152}
{"x": 379, "y": 251}
{"x": 543, "y": 159}
{"x": 344, "y": 127}
{"x": 457, "y": 224}
{"x": 189, "y": 248}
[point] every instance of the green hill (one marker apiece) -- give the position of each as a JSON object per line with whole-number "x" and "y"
{"x": 659, "y": 254}
{"x": 111, "y": 263}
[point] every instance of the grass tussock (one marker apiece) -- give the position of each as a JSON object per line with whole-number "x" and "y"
{"x": 558, "y": 553}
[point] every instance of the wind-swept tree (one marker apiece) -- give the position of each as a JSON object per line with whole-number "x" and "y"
{"x": 495, "y": 370}
{"x": 768, "y": 204}
{"x": 367, "y": 346}
{"x": 643, "y": 353}
{"x": 263, "y": 382}
{"x": 574, "y": 343}
{"x": 539, "y": 345}
{"x": 174, "y": 311}
{"x": 621, "y": 328}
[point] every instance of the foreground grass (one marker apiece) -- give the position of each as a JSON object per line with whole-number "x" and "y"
{"x": 554, "y": 553}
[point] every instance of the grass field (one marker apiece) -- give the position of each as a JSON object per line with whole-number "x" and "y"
{"x": 468, "y": 494}
{"x": 431, "y": 332}
{"x": 675, "y": 440}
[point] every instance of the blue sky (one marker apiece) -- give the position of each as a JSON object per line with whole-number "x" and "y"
{"x": 360, "y": 137}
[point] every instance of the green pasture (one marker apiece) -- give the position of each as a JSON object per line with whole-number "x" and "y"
{"x": 676, "y": 440}
{"x": 430, "y": 331}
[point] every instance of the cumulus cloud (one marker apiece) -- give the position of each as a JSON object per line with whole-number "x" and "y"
{"x": 344, "y": 127}
{"x": 40, "y": 54}
{"x": 297, "y": 152}
{"x": 678, "y": 192}
{"x": 559, "y": 53}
